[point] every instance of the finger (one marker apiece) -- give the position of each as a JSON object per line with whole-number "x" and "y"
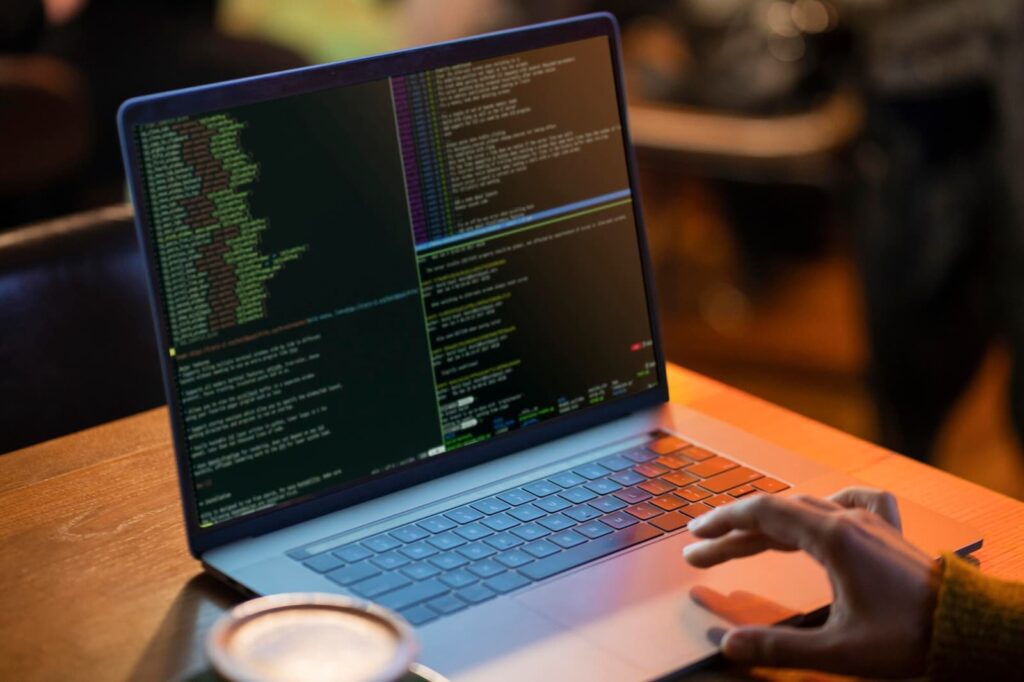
{"x": 817, "y": 502}
{"x": 740, "y": 607}
{"x": 781, "y": 646}
{"x": 880, "y": 502}
{"x": 738, "y": 543}
{"x": 780, "y": 519}
{"x": 717, "y": 603}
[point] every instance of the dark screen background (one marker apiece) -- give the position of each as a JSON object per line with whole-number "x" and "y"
{"x": 337, "y": 381}
{"x": 329, "y": 178}
{"x": 579, "y": 97}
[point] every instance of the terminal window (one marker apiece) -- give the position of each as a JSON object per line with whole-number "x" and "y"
{"x": 358, "y": 278}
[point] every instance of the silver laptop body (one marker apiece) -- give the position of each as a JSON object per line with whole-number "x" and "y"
{"x": 412, "y": 355}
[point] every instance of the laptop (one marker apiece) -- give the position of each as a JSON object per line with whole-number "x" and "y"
{"x": 411, "y": 353}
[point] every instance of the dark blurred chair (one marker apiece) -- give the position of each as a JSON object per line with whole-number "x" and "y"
{"x": 45, "y": 135}
{"x": 77, "y": 345}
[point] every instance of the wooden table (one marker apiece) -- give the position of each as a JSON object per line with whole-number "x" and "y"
{"x": 97, "y": 582}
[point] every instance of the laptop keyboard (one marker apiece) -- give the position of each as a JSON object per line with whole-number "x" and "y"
{"x": 443, "y": 564}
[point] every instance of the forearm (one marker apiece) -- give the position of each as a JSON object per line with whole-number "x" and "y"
{"x": 978, "y": 630}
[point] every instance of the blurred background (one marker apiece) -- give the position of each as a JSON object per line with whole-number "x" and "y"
{"x": 831, "y": 187}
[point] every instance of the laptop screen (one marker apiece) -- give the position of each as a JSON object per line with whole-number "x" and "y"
{"x": 359, "y": 278}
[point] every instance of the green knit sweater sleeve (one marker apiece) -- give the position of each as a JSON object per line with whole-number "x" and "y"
{"x": 978, "y": 629}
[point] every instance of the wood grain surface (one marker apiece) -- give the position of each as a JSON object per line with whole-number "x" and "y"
{"x": 97, "y": 582}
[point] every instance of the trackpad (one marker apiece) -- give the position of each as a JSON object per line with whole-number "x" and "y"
{"x": 650, "y": 607}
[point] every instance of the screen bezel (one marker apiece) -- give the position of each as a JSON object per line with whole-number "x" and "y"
{"x": 230, "y": 94}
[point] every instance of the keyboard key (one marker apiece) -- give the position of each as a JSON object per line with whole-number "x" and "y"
{"x": 741, "y": 490}
{"x": 670, "y": 522}
{"x": 389, "y": 561}
{"x": 671, "y": 462}
{"x": 719, "y": 500}
{"x": 324, "y": 562}
{"x": 693, "y": 493}
{"x": 553, "y": 504}
{"x": 557, "y": 522}
{"x": 656, "y": 486}
{"x": 730, "y": 479}
{"x": 516, "y": 497}
{"x": 485, "y": 568}
{"x": 418, "y": 615}
{"x": 650, "y": 469}
{"x": 602, "y": 486}
{"x": 503, "y": 541}
{"x": 628, "y": 477}
{"x": 577, "y": 495}
{"x": 446, "y": 541}
{"x": 381, "y": 584}
{"x": 666, "y": 444}
{"x": 409, "y": 534}
{"x": 541, "y": 548}
{"x": 464, "y": 515}
{"x": 615, "y": 462}
{"x": 770, "y": 485}
{"x": 381, "y": 543}
{"x": 711, "y": 467}
{"x": 420, "y": 571}
{"x": 447, "y": 562}
{"x": 530, "y": 531}
{"x": 699, "y": 454}
{"x": 542, "y": 488}
{"x": 567, "y": 538}
{"x": 643, "y": 511}
{"x": 582, "y": 513}
{"x": 476, "y": 551}
{"x": 619, "y": 520}
{"x": 458, "y": 578}
{"x": 567, "y": 479}
{"x": 499, "y": 522}
{"x": 589, "y": 551}
{"x": 694, "y": 510}
{"x": 607, "y": 504}
{"x": 506, "y": 582}
{"x": 475, "y": 594}
{"x": 352, "y": 553}
{"x": 353, "y": 573}
{"x": 527, "y": 513}
{"x": 594, "y": 529}
{"x": 591, "y": 471}
{"x": 437, "y": 524}
{"x": 417, "y": 551}
{"x": 491, "y": 505}
{"x": 633, "y": 495}
{"x": 474, "y": 531}
{"x": 668, "y": 502}
{"x": 679, "y": 478}
{"x": 413, "y": 594}
{"x": 639, "y": 455}
{"x": 515, "y": 558}
{"x": 449, "y": 603}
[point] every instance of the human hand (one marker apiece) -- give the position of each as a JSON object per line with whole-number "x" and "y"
{"x": 884, "y": 589}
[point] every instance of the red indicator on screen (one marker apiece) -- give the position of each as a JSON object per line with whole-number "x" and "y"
{"x": 636, "y": 346}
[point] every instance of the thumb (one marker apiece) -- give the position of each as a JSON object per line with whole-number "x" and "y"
{"x": 784, "y": 647}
